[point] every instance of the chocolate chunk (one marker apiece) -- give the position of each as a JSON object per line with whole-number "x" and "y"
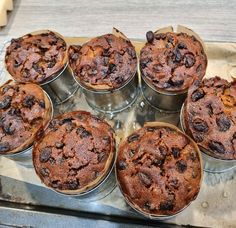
{"x": 170, "y": 39}
{"x": 14, "y": 112}
{"x": 52, "y": 63}
{"x": 223, "y": 122}
{"x": 182, "y": 45}
{"x": 216, "y": 147}
{"x": 96, "y": 174}
{"x": 166, "y": 205}
{"x": 6, "y": 88}
{"x": 6, "y": 102}
{"x": 111, "y": 68}
{"x": 176, "y": 83}
{"x": 177, "y": 55}
{"x": 28, "y": 101}
{"x": 66, "y": 120}
{"x": 101, "y": 156}
{"x": 56, "y": 184}
{"x": 122, "y": 165}
{"x": 45, "y": 172}
{"x": 198, "y": 137}
{"x": 200, "y": 125}
{"x": 150, "y": 36}
{"x": 181, "y": 166}
{"x": 42, "y": 104}
{"x": 69, "y": 127}
{"x": 16, "y": 64}
{"x": 131, "y": 52}
{"x": 52, "y": 161}
{"x": 189, "y": 60}
{"x": 59, "y": 145}
{"x": 144, "y": 62}
{"x": 83, "y": 132}
{"x": 45, "y": 154}
{"x": 197, "y": 95}
{"x": 4, "y": 146}
{"x": 145, "y": 179}
{"x": 37, "y": 68}
{"x": 74, "y": 56}
{"x": 73, "y": 184}
{"x": 176, "y": 152}
{"x": 8, "y": 128}
{"x": 163, "y": 150}
{"x": 133, "y": 137}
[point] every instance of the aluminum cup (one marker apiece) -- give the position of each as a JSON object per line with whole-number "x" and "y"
{"x": 161, "y": 217}
{"x": 104, "y": 187}
{"x": 24, "y": 157}
{"x": 165, "y": 101}
{"x": 61, "y": 85}
{"x": 115, "y": 100}
{"x": 210, "y": 164}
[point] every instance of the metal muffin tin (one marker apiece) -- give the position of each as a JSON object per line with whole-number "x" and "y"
{"x": 210, "y": 164}
{"x": 166, "y": 101}
{"x": 24, "y": 157}
{"x": 115, "y": 100}
{"x": 61, "y": 85}
{"x": 163, "y": 217}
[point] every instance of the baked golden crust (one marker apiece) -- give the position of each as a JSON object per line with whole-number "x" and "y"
{"x": 37, "y": 57}
{"x": 210, "y": 116}
{"x": 172, "y": 61}
{"x": 75, "y": 152}
{"x": 104, "y": 63}
{"x": 159, "y": 169}
{"x": 24, "y": 110}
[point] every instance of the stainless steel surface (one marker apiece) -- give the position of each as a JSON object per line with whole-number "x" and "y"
{"x": 25, "y": 157}
{"x": 113, "y": 101}
{"x": 210, "y": 164}
{"x": 62, "y": 87}
{"x": 168, "y": 102}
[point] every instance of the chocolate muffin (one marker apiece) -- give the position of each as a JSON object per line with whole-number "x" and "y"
{"x": 159, "y": 170}
{"x": 24, "y": 110}
{"x": 210, "y": 116}
{"x": 75, "y": 152}
{"x": 104, "y": 63}
{"x": 172, "y": 61}
{"x": 36, "y": 57}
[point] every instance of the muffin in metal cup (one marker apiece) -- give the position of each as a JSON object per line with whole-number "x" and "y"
{"x": 169, "y": 63}
{"x": 75, "y": 154}
{"x": 208, "y": 116}
{"x": 106, "y": 69}
{"x": 41, "y": 57}
{"x": 159, "y": 170}
{"x": 25, "y": 109}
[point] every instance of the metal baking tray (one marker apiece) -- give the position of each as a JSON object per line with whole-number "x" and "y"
{"x": 214, "y": 207}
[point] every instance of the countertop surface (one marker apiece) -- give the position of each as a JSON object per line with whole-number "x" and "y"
{"x": 213, "y": 20}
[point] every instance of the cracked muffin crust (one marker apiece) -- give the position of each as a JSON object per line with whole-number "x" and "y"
{"x": 172, "y": 61}
{"x": 24, "y": 110}
{"x": 36, "y": 58}
{"x": 159, "y": 169}
{"x": 104, "y": 63}
{"x": 210, "y": 116}
{"x": 75, "y": 152}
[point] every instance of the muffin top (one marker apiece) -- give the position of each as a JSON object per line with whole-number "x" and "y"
{"x": 103, "y": 63}
{"x": 36, "y": 58}
{"x": 210, "y": 116}
{"x": 24, "y": 110}
{"x": 159, "y": 170}
{"x": 74, "y": 153}
{"x": 172, "y": 61}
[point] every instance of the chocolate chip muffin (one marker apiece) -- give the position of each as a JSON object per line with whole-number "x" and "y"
{"x": 104, "y": 63}
{"x": 159, "y": 170}
{"x": 210, "y": 116}
{"x": 24, "y": 110}
{"x": 172, "y": 61}
{"x": 36, "y": 57}
{"x": 75, "y": 152}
